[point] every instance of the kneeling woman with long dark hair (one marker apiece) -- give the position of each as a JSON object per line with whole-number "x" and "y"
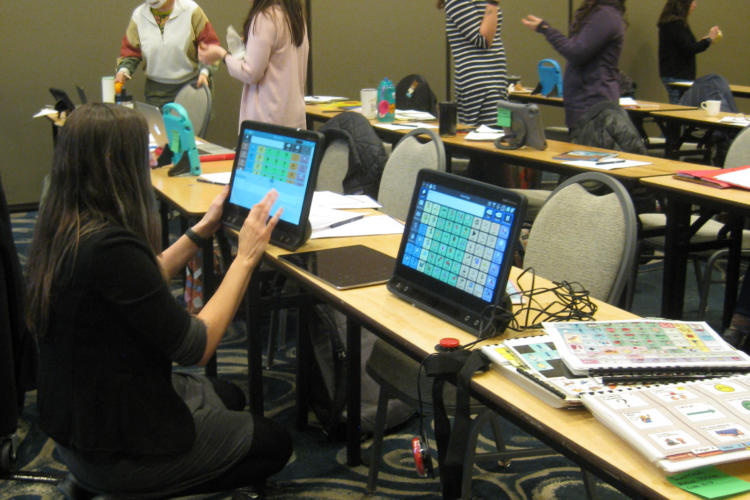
{"x": 109, "y": 328}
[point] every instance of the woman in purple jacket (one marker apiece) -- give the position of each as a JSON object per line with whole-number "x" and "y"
{"x": 592, "y": 52}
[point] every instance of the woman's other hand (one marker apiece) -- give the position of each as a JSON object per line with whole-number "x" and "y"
{"x": 713, "y": 34}
{"x": 121, "y": 77}
{"x": 531, "y": 22}
{"x": 211, "y": 222}
{"x": 210, "y": 53}
{"x": 257, "y": 229}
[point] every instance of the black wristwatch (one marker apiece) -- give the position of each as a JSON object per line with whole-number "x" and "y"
{"x": 196, "y": 238}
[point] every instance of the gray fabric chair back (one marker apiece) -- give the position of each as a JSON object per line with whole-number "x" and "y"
{"x": 584, "y": 238}
{"x": 400, "y": 173}
{"x": 739, "y": 152}
{"x": 197, "y": 102}
{"x": 333, "y": 167}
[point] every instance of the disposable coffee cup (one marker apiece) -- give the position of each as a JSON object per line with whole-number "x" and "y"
{"x": 368, "y": 98}
{"x": 448, "y": 118}
{"x": 712, "y": 107}
{"x": 108, "y": 89}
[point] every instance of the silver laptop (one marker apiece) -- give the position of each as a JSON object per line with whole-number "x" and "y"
{"x": 155, "y": 122}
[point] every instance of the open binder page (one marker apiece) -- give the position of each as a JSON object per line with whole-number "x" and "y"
{"x": 680, "y": 426}
{"x": 644, "y": 345}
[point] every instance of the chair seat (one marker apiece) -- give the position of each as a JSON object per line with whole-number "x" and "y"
{"x": 708, "y": 232}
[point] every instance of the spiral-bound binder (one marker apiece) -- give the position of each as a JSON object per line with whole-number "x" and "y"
{"x": 600, "y": 348}
{"x": 680, "y": 426}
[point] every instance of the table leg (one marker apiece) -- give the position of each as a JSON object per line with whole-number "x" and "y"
{"x": 209, "y": 286}
{"x": 675, "y": 259}
{"x": 254, "y": 345}
{"x": 353, "y": 391}
{"x": 164, "y": 216}
{"x": 304, "y": 356}
{"x": 731, "y": 287}
{"x": 672, "y": 132}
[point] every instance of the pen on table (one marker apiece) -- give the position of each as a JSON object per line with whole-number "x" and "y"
{"x": 347, "y": 221}
{"x": 607, "y": 162}
{"x": 211, "y": 182}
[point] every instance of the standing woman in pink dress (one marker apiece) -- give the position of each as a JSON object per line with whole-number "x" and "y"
{"x": 274, "y": 68}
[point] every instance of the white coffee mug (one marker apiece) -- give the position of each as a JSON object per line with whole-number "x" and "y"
{"x": 712, "y": 107}
{"x": 368, "y": 97}
{"x": 108, "y": 89}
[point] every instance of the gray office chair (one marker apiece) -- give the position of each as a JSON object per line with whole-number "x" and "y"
{"x": 197, "y": 102}
{"x": 409, "y": 156}
{"x": 579, "y": 236}
{"x": 396, "y": 373}
{"x": 333, "y": 167}
{"x": 738, "y": 155}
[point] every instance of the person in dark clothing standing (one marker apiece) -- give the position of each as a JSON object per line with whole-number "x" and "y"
{"x": 678, "y": 46}
{"x": 592, "y": 51}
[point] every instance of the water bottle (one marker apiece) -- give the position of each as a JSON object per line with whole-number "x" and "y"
{"x": 386, "y": 101}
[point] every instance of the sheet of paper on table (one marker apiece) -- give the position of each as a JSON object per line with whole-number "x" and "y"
{"x": 739, "y": 178}
{"x": 322, "y": 99}
{"x": 329, "y": 199}
{"x": 484, "y": 133}
{"x": 404, "y": 126}
{"x": 368, "y": 226}
{"x": 412, "y": 115}
{"x": 219, "y": 178}
{"x": 326, "y": 218}
{"x": 740, "y": 121}
{"x": 607, "y": 165}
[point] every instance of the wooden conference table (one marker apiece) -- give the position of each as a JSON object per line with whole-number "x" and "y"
{"x": 681, "y": 196}
{"x": 576, "y": 434}
{"x": 672, "y": 122}
{"x": 528, "y": 157}
{"x": 638, "y": 114}
{"x": 737, "y": 90}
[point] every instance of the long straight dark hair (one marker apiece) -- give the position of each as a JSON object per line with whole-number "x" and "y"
{"x": 295, "y": 17}
{"x": 100, "y": 178}
{"x": 675, "y": 10}
{"x": 589, "y": 6}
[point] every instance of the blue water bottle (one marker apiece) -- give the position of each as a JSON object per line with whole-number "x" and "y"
{"x": 386, "y": 101}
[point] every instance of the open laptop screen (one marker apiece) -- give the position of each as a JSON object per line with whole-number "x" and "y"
{"x": 458, "y": 247}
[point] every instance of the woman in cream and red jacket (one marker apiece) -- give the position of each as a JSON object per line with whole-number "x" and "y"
{"x": 165, "y": 35}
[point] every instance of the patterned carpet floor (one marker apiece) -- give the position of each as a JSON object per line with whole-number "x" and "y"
{"x": 318, "y": 467}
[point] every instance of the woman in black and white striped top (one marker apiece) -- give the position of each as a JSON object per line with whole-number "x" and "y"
{"x": 473, "y": 28}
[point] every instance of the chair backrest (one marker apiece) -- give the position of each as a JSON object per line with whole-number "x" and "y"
{"x": 584, "y": 238}
{"x": 607, "y": 125}
{"x": 739, "y": 152}
{"x": 197, "y": 102}
{"x": 400, "y": 173}
{"x": 333, "y": 167}
{"x": 367, "y": 156}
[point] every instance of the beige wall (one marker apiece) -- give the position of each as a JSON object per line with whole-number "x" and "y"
{"x": 355, "y": 44}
